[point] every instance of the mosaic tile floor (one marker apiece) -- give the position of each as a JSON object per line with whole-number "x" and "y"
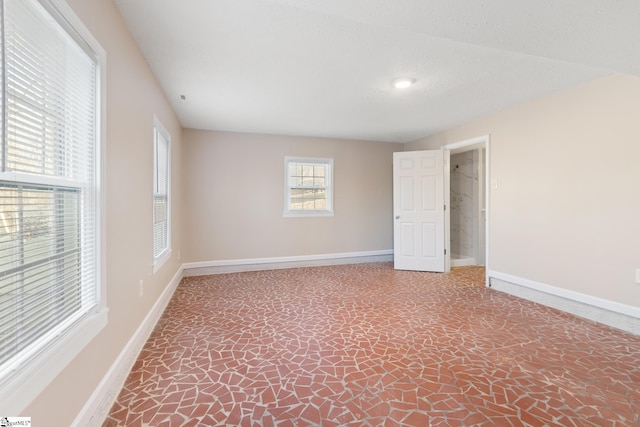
{"x": 365, "y": 345}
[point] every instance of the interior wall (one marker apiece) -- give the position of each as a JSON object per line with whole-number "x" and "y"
{"x": 133, "y": 97}
{"x": 564, "y": 213}
{"x": 234, "y": 187}
{"x": 566, "y": 207}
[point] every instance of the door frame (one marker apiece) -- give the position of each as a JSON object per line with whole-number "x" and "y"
{"x": 483, "y": 141}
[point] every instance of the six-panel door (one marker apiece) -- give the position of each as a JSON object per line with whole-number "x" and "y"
{"x": 419, "y": 211}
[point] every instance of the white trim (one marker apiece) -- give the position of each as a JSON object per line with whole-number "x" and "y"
{"x": 467, "y": 143}
{"x": 160, "y": 130}
{"x": 305, "y": 214}
{"x": 463, "y": 262}
{"x": 255, "y": 264}
{"x": 446, "y": 179}
{"x": 600, "y": 310}
{"x": 296, "y": 213}
{"x": 97, "y": 407}
{"x": 18, "y": 392}
{"x": 35, "y": 179}
{"x": 161, "y": 260}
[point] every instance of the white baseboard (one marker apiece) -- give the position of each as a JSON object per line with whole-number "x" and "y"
{"x": 98, "y": 405}
{"x": 611, "y": 313}
{"x": 463, "y": 262}
{"x": 256, "y": 264}
{"x": 96, "y": 409}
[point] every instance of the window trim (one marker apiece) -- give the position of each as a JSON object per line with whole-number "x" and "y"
{"x": 165, "y": 255}
{"x": 299, "y": 213}
{"x": 22, "y": 385}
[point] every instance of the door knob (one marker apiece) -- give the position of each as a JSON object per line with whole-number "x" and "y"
{"x": 397, "y": 216}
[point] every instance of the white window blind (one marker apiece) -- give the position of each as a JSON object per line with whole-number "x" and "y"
{"x": 161, "y": 186}
{"x": 308, "y": 186}
{"x": 49, "y": 278}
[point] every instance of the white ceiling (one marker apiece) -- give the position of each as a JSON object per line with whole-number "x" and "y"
{"x": 324, "y": 67}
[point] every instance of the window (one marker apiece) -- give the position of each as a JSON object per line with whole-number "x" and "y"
{"x": 308, "y": 187}
{"x": 161, "y": 187}
{"x": 50, "y": 253}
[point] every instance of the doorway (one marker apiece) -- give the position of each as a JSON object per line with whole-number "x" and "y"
{"x": 468, "y": 193}
{"x": 421, "y": 189}
{"x": 467, "y": 212}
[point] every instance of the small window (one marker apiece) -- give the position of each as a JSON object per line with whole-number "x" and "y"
{"x": 308, "y": 186}
{"x": 161, "y": 190}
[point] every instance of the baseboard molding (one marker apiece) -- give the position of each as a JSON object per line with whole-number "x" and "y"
{"x": 463, "y": 262}
{"x": 256, "y": 264}
{"x": 617, "y": 315}
{"x": 98, "y": 405}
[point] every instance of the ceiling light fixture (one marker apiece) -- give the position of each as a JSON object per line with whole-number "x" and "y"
{"x": 403, "y": 83}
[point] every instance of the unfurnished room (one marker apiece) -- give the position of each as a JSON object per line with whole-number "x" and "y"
{"x": 320, "y": 213}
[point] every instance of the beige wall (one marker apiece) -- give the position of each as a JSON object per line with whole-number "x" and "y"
{"x": 565, "y": 213}
{"x": 234, "y": 187}
{"x": 567, "y": 208}
{"x": 133, "y": 96}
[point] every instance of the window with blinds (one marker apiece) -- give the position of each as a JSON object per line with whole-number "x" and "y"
{"x": 308, "y": 186}
{"x": 161, "y": 186}
{"x": 49, "y": 278}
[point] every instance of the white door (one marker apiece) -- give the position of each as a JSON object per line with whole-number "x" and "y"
{"x": 419, "y": 210}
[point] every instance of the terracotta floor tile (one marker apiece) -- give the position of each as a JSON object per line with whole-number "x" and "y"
{"x": 366, "y": 345}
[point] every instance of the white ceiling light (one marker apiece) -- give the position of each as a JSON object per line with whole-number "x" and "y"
{"x": 403, "y": 83}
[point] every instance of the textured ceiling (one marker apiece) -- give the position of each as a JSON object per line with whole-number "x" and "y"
{"x": 324, "y": 67}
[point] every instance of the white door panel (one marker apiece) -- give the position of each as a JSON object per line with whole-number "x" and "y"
{"x": 429, "y": 240}
{"x": 406, "y": 193}
{"x": 418, "y": 204}
{"x": 429, "y": 193}
{"x": 408, "y": 239}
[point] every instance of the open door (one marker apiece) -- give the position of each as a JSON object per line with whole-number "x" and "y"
{"x": 419, "y": 210}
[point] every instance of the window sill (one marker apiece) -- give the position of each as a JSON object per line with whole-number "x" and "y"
{"x": 161, "y": 260}
{"x": 21, "y": 388}
{"x": 305, "y": 214}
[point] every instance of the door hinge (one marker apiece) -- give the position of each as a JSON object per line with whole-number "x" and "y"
{"x": 445, "y": 207}
{"x": 445, "y": 251}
